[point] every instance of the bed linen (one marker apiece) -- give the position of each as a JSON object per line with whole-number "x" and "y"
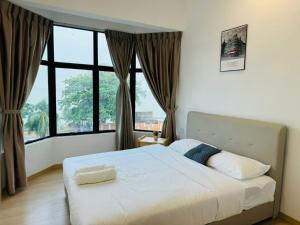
{"x": 258, "y": 191}
{"x": 154, "y": 185}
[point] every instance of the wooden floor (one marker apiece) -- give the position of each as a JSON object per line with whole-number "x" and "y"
{"x": 43, "y": 203}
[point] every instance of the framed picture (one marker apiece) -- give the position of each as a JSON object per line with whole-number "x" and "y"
{"x": 233, "y": 49}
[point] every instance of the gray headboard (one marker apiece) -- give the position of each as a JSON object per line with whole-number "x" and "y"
{"x": 258, "y": 140}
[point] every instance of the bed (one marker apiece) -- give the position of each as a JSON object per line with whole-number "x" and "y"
{"x": 156, "y": 185}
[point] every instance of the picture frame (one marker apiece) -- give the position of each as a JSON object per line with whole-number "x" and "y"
{"x": 233, "y": 49}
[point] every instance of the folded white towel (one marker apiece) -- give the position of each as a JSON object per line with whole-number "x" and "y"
{"x": 92, "y": 168}
{"x": 96, "y": 176}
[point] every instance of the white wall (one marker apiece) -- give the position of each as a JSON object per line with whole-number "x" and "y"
{"x": 269, "y": 88}
{"x": 81, "y": 145}
{"x": 40, "y": 155}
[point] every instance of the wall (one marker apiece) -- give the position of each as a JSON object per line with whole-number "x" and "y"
{"x": 38, "y": 156}
{"x": 269, "y": 87}
{"x": 42, "y": 154}
{"x": 81, "y": 145}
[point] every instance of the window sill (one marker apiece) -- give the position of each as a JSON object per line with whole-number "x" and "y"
{"x": 146, "y": 131}
{"x": 69, "y": 134}
{"x": 36, "y": 140}
{"x": 84, "y": 133}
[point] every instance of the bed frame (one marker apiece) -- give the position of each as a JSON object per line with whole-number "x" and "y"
{"x": 258, "y": 140}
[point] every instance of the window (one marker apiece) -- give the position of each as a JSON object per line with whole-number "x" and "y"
{"x": 138, "y": 65}
{"x": 103, "y": 52}
{"x": 76, "y": 87}
{"x": 45, "y": 55}
{"x": 73, "y": 45}
{"x": 148, "y": 113}
{"x": 35, "y": 112}
{"x": 109, "y": 84}
{"x": 74, "y": 100}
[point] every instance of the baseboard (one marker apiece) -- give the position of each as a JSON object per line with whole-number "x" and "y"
{"x": 47, "y": 170}
{"x": 289, "y": 219}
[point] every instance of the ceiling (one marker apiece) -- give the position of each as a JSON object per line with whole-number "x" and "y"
{"x": 81, "y": 19}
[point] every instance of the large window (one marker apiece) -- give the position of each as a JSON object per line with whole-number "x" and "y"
{"x": 76, "y": 87}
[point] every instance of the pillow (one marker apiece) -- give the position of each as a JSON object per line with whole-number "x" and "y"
{"x": 201, "y": 153}
{"x": 237, "y": 166}
{"x": 184, "y": 145}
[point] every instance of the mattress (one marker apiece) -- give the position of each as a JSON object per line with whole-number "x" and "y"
{"x": 154, "y": 185}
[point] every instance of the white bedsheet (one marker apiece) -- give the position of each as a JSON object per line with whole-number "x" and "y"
{"x": 258, "y": 191}
{"x": 154, "y": 186}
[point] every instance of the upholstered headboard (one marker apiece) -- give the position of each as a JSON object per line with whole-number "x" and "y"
{"x": 258, "y": 140}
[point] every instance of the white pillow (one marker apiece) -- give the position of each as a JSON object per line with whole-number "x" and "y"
{"x": 184, "y": 145}
{"x": 237, "y": 166}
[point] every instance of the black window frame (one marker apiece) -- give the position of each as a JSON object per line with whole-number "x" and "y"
{"x": 95, "y": 68}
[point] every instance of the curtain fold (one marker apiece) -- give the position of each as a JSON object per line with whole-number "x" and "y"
{"x": 121, "y": 48}
{"x": 23, "y": 37}
{"x": 159, "y": 56}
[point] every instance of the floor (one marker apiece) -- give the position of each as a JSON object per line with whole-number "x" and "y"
{"x": 43, "y": 203}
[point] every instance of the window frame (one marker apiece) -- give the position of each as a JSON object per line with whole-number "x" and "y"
{"x": 95, "y": 68}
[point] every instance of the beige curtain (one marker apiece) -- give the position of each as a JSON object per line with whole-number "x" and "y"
{"x": 121, "y": 47}
{"x": 159, "y": 55}
{"x": 23, "y": 36}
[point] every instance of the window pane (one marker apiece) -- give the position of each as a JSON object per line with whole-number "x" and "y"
{"x": 148, "y": 114}
{"x": 73, "y": 45}
{"x": 74, "y": 100}
{"x": 109, "y": 84}
{"x": 128, "y": 81}
{"x": 45, "y": 56}
{"x": 103, "y": 52}
{"x": 138, "y": 65}
{"x": 35, "y": 112}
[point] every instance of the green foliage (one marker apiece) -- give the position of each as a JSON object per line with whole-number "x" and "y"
{"x": 77, "y": 101}
{"x": 27, "y": 110}
{"x": 156, "y": 133}
{"x": 36, "y": 117}
{"x": 109, "y": 84}
{"x": 139, "y": 93}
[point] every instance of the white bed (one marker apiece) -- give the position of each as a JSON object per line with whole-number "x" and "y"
{"x": 258, "y": 191}
{"x": 156, "y": 185}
